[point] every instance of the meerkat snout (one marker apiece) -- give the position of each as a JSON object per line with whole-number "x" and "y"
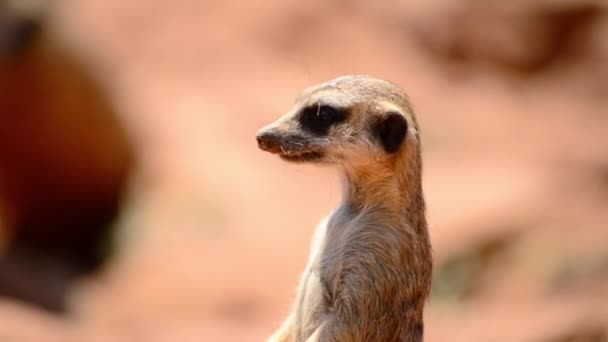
{"x": 268, "y": 142}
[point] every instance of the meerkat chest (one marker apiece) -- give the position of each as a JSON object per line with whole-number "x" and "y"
{"x": 310, "y": 301}
{"x": 355, "y": 245}
{"x": 327, "y": 257}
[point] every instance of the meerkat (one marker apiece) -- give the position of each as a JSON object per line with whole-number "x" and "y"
{"x": 370, "y": 266}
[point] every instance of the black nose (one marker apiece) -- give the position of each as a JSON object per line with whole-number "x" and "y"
{"x": 268, "y": 142}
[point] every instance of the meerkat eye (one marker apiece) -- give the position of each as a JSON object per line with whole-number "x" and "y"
{"x": 326, "y": 113}
{"x": 318, "y": 119}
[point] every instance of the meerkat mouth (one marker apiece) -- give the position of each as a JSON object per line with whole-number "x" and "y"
{"x": 301, "y": 156}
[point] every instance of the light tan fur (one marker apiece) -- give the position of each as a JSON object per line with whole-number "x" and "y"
{"x": 370, "y": 265}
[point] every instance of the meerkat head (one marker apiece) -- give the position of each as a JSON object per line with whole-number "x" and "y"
{"x": 352, "y": 119}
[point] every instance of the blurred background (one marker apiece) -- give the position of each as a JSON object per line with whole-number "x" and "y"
{"x": 135, "y": 205}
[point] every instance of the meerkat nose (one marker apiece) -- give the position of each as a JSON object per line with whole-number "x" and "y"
{"x": 268, "y": 142}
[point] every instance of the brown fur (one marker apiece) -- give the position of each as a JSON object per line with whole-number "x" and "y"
{"x": 369, "y": 271}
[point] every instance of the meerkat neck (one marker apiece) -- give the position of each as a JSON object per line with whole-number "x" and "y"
{"x": 395, "y": 190}
{"x": 393, "y": 195}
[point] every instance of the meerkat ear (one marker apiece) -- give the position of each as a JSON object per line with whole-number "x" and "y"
{"x": 392, "y": 129}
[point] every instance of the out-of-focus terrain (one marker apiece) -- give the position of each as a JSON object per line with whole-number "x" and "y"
{"x": 512, "y": 98}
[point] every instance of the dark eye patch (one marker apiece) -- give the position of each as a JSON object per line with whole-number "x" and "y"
{"x": 319, "y": 119}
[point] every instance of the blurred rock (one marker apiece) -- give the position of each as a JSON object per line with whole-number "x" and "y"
{"x": 578, "y": 272}
{"x": 521, "y": 37}
{"x": 582, "y": 334}
{"x": 461, "y": 275}
{"x": 64, "y": 164}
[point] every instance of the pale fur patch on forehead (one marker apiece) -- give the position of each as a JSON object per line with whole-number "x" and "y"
{"x": 344, "y": 92}
{"x": 353, "y": 90}
{"x": 333, "y": 97}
